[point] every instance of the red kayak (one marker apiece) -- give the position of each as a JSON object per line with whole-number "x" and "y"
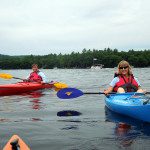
{"x": 22, "y": 87}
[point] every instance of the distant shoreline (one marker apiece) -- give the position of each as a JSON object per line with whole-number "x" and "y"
{"x": 108, "y": 58}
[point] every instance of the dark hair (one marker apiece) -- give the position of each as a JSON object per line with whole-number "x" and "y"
{"x": 34, "y": 65}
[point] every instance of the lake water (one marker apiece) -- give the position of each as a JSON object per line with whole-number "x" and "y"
{"x": 34, "y": 117}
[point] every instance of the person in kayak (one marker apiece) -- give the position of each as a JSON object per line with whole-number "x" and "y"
{"x": 124, "y": 81}
{"x": 36, "y": 75}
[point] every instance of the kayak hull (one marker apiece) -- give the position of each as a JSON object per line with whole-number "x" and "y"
{"x": 21, "y": 143}
{"x": 22, "y": 87}
{"x": 135, "y": 105}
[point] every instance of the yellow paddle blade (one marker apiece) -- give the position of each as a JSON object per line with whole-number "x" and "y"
{"x": 60, "y": 85}
{"x": 5, "y": 76}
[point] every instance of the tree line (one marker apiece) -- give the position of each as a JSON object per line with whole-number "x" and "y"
{"x": 108, "y": 57}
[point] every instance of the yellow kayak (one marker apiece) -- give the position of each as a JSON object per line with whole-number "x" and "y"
{"x": 16, "y": 143}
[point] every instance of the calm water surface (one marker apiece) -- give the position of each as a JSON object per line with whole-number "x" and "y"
{"x": 34, "y": 117}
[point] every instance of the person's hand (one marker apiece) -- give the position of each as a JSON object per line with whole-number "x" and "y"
{"x": 144, "y": 91}
{"x": 109, "y": 90}
{"x": 106, "y": 92}
{"x": 53, "y": 82}
{"x": 25, "y": 80}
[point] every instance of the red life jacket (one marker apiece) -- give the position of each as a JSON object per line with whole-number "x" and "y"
{"x": 128, "y": 84}
{"x": 35, "y": 77}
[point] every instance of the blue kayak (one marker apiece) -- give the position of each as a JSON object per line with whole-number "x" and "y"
{"x": 135, "y": 105}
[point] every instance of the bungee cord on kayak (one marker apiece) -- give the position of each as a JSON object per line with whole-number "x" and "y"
{"x": 16, "y": 143}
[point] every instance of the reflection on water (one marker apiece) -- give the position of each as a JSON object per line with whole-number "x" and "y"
{"x": 70, "y": 122}
{"x": 4, "y": 120}
{"x": 33, "y": 94}
{"x": 36, "y": 94}
{"x": 36, "y": 104}
{"x": 127, "y": 129}
{"x": 36, "y": 119}
{"x": 70, "y": 127}
{"x": 123, "y": 133}
{"x": 67, "y": 113}
{"x": 45, "y": 122}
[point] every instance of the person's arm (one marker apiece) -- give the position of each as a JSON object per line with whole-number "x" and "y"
{"x": 26, "y": 79}
{"x": 112, "y": 84}
{"x": 44, "y": 78}
{"x": 140, "y": 90}
{"x": 109, "y": 90}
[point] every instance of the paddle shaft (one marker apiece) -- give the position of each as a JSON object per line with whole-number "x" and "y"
{"x": 69, "y": 93}
{"x": 104, "y": 93}
{"x": 98, "y": 93}
{"x": 60, "y": 86}
{"x": 18, "y": 78}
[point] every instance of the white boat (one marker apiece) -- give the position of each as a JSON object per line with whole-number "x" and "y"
{"x": 97, "y": 66}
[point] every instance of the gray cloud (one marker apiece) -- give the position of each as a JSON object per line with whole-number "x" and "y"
{"x": 61, "y": 26}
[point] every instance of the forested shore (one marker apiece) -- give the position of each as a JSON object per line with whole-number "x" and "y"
{"x": 108, "y": 57}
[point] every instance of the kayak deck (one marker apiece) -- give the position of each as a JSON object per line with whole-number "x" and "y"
{"x": 17, "y": 143}
{"x": 129, "y": 99}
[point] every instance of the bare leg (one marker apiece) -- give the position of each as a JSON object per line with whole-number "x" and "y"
{"x": 120, "y": 90}
{"x": 140, "y": 91}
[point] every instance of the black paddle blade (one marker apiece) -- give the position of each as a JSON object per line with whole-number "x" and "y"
{"x": 68, "y": 93}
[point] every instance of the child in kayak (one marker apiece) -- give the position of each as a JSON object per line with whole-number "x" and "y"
{"x": 36, "y": 75}
{"x": 124, "y": 81}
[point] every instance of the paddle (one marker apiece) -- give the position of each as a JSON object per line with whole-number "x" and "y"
{"x": 57, "y": 85}
{"x": 8, "y": 76}
{"x": 68, "y": 93}
{"x": 60, "y": 85}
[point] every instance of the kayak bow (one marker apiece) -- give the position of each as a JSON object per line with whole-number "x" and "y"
{"x": 135, "y": 105}
{"x": 16, "y": 143}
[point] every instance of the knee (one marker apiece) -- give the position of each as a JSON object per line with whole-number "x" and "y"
{"x": 140, "y": 91}
{"x": 120, "y": 90}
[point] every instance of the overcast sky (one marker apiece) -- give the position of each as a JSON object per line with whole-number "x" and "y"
{"x": 42, "y": 27}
